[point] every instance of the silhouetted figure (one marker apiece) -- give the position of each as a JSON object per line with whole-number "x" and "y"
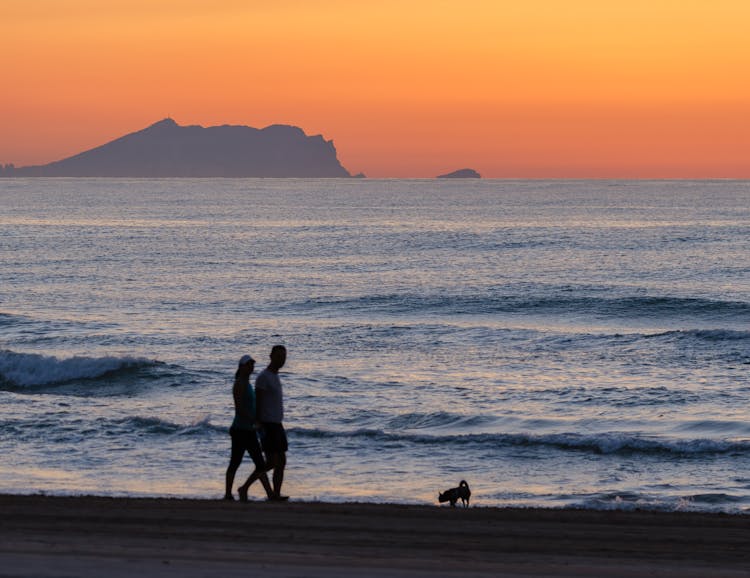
{"x": 244, "y": 433}
{"x": 270, "y": 401}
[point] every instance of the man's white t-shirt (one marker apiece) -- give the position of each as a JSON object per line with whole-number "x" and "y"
{"x": 271, "y": 403}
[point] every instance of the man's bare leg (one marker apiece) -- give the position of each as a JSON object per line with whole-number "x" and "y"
{"x": 278, "y": 463}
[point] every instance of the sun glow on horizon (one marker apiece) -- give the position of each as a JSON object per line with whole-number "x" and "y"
{"x": 537, "y": 89}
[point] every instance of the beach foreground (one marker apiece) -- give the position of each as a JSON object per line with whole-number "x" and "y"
{"x": 91, "y": 536}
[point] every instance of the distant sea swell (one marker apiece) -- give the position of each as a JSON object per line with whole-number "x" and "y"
{"x": 570, "y": 301}
{"x": 603, "y": 443}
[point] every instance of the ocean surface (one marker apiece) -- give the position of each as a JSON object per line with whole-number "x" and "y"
{"x": 554, "y": 343}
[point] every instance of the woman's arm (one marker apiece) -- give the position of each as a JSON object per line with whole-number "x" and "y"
{"x": 239, "y": 391}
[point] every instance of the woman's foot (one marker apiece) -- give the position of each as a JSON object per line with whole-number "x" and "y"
{"x": 229, "y": 497}
{"x": 242, "y": 492}
{"x": 278, "y": 498}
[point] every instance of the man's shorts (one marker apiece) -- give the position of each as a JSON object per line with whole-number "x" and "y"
{"x": 273, "y": 438}
{"x": 244, "y": 440}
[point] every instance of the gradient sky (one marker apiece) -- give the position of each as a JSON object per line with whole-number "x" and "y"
{"x": 408, "y": 88}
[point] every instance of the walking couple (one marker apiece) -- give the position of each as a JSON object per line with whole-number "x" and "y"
{"x": 259, "y": 412}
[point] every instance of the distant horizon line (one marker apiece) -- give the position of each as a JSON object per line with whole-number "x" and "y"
{"x": 366, "y": 178}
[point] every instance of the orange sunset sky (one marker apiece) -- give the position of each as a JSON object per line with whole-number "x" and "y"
{"x": 407, "y": 88}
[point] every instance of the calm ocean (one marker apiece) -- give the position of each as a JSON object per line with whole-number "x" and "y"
{"x": 554, "y": 343}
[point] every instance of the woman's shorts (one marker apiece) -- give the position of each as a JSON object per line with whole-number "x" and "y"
{"x": 244, "y": 440}
{"x": 273, "y": 438}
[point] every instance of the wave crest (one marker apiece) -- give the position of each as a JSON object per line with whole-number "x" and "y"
{"x": 710, "y": 335}
{"x": 604, "y": 443}
{"x": 21, "y": 370}
{"x": 157, "y": 426}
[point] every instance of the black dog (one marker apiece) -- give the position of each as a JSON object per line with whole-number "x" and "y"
{"x": 462, "y": 492}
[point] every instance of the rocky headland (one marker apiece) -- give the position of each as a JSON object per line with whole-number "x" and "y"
{"x": 166, "y": 149}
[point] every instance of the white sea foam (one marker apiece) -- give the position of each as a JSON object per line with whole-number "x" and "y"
{"x": 33, "y": 369}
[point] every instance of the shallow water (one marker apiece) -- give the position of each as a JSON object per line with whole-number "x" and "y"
{"x": 554, "y": 343}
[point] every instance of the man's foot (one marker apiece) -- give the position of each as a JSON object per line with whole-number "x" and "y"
{"x": 229, "y": 497}
{"x": 242, "y": 493}
{"x": 278, "y": 498}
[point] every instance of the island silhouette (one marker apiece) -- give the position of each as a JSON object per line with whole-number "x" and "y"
{"x": 461, "y": 174}
{"x": 166, "y": 149}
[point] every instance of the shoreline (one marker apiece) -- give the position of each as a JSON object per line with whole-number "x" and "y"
{"x": 88, "y": 535}
{"x": 625, "y": 508}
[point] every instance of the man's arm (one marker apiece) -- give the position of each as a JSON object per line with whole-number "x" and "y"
{"x": 260, "y": 393}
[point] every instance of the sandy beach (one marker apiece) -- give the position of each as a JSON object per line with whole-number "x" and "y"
{"x": 93, "y": 536}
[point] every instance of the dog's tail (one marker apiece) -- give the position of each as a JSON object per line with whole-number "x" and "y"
{"x": 463, "y": 483}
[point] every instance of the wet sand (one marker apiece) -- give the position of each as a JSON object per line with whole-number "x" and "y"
{"x": 93, "y": 536}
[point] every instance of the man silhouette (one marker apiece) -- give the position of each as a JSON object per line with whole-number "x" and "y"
{"x": 270, "y": 406}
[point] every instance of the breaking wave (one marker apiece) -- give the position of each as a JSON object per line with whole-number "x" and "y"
{"x": 27, "y": 370}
